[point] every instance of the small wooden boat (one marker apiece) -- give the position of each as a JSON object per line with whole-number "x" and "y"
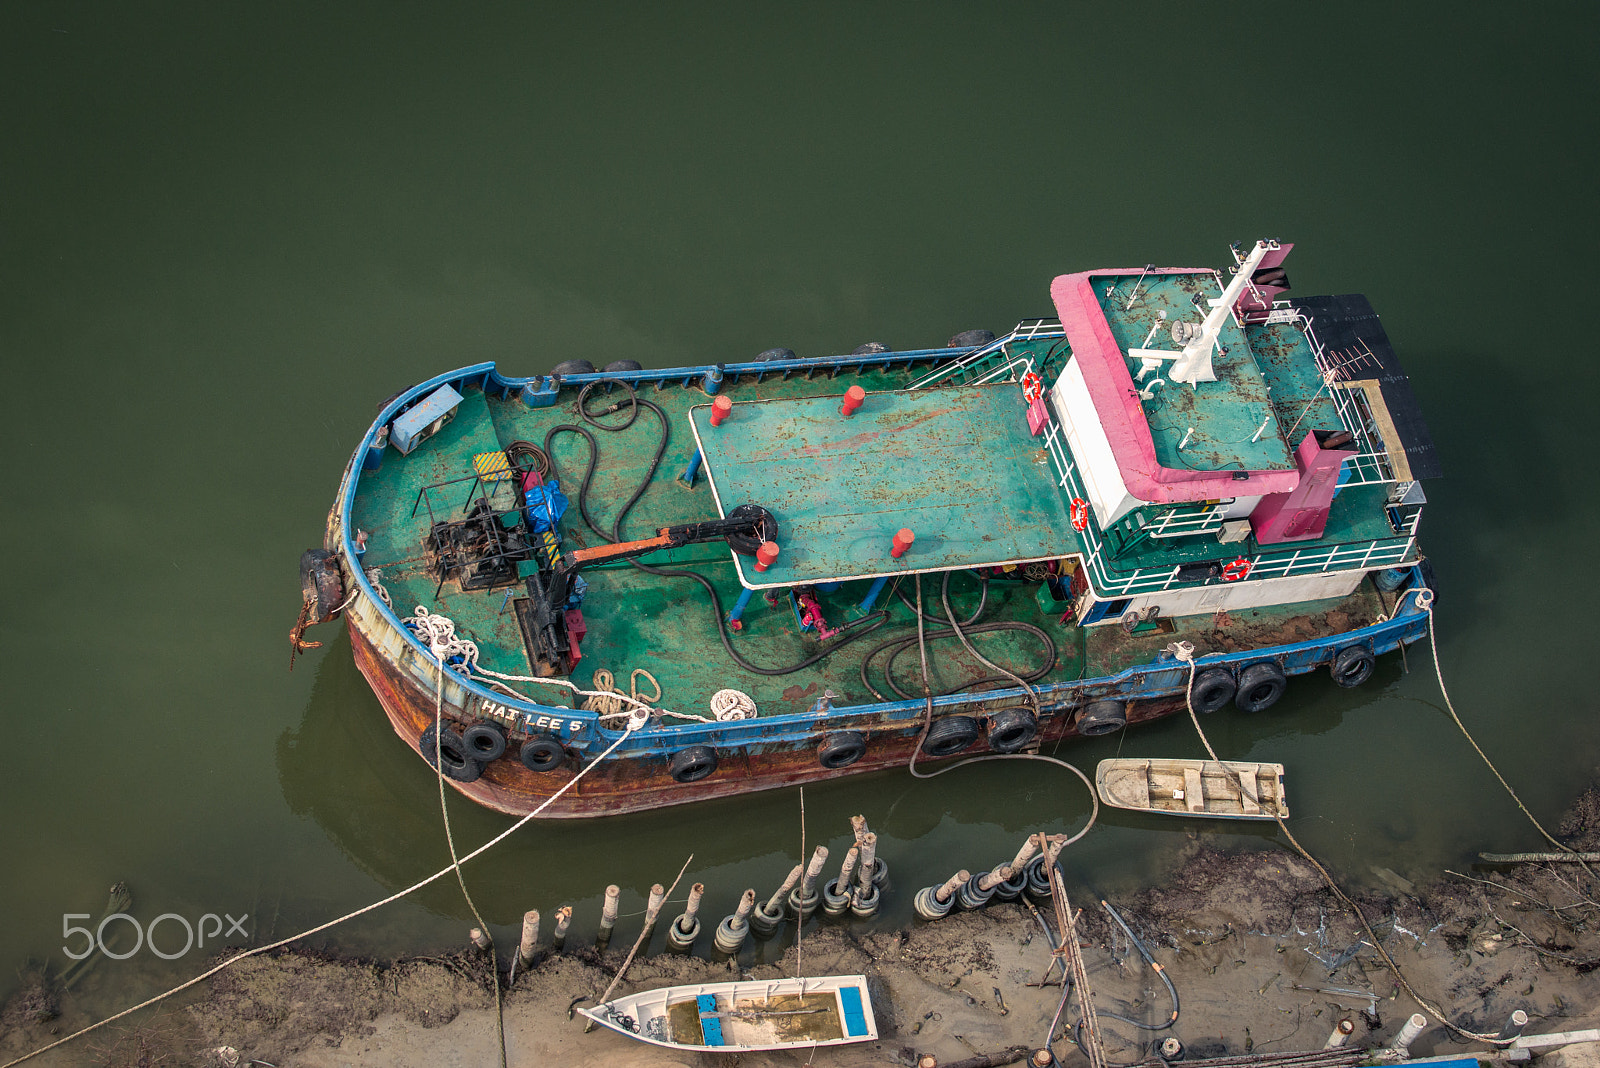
{"x": 1226, "y": 789}
{"x": 828, "y": 1010}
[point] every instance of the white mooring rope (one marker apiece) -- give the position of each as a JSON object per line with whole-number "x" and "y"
{"x": 454, "y": 866}
{"x": 1184, "y": 651}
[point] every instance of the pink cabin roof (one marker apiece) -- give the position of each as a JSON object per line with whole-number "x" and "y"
{"x": 1116, "y": 402}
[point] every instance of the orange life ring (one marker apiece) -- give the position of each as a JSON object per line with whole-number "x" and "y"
{"x": 1236, "y": 570}
{"x": 1032, "y": 387}
{"x": 1080, "y": 513}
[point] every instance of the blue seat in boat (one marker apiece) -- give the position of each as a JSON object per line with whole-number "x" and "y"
{"x": 855, "y": 1020}
{"x": 710, "y": 1023}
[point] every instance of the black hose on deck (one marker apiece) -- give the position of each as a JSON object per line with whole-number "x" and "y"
{"x": 634, "y": 403}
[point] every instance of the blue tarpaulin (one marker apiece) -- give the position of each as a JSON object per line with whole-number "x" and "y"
{"x": 546, "y": 505}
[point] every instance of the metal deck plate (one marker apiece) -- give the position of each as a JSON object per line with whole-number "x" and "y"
{"x": 955, "y": 465}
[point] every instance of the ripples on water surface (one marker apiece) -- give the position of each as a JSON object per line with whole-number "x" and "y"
{"x": 227, "y": 237}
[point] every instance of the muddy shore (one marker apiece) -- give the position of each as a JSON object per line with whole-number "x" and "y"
{"x": 1262, "y": 955}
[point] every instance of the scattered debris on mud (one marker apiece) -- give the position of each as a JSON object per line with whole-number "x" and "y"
{"x": 1262, "y": 955}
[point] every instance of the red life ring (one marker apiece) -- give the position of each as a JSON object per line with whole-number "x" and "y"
{"x": 1032, "y": 387}
{"x": 1236, "y": 570}
{"x": 1080, "y": 513}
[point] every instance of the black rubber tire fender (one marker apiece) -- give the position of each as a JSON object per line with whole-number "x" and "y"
{"x": 1213, "y": 688}
{"x": 485, "y": 741}
{"x": 623, "y": 365}
{"x": 1260, "y": 686}
{"x": 692, "y": 764}
{"x": 950, "y": 735}
{"x": 1101, "y": 717}
{"x": 541, "y": 753}
{"x": 1011, "y": 729}
{"x": 1352, "y": 665}
{"x": 573, "y": 367}
{"x": 970, "y": 339}
{"x": 459, "y": 763}
{"x": 841, "y": 749}
{"x": 768, "y": 355}
{"x": 870, "y": 348}
{"x": 321, "y": 584}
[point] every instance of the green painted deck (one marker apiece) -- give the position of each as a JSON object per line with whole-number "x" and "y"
{"x": 668, "y": 626}
{"x": 1225, "y": 415}
{"x": 957, "y": 466}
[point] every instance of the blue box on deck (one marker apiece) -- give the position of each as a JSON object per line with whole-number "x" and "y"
{"x": 424, "y": 419}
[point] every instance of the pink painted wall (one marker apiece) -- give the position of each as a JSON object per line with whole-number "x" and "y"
{"x": 1302, "y": 513}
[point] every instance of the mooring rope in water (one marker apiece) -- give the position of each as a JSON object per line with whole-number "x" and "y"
{"x": 1184, "y": 651}
{"x": 927, "y": 725}
{"x": 455, "y": 861}
{"x": 1425, "y": 599}
{"x": 435, "y": 877}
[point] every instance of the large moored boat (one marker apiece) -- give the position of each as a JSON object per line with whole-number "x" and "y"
{"x": 593, "y": 591}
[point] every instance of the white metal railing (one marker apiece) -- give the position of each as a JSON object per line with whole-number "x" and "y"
{"x": 1182, "y": 522}
{"x": 993, "y": 362}
{"x": 976, "y": 366}
{"x": 1370, "y": 465}
{"x": 1383, "y": 552}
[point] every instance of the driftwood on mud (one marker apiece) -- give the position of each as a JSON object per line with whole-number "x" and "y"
{"x": 1009, "y": 1055}
{"x": 1539, "y": 858}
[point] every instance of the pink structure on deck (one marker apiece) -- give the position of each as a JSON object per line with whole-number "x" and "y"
{"x": 1116, "y": 402}
{"x": 1302, "y": 513}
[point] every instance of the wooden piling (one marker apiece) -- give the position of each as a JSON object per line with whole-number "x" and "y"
{"x": 529, "y": 946}
{"x": 558, "y": 939}
{"x": 869, "y": 863}
{"x": 608, "y": 917}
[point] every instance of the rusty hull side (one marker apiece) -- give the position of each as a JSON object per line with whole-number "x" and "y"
{"x": 632, "y": 781}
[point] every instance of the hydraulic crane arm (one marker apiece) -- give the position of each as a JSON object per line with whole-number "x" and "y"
{"x": 745, "y": 528}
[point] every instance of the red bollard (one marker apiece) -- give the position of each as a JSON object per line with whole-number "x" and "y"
{"x": 766, "y": 555}
{"x": 852, "y": 399}
{"x": 720, "y": 409}
{"x": 902, "y": 541}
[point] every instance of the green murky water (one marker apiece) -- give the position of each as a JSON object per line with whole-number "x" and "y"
{"x": 225, "y": 236}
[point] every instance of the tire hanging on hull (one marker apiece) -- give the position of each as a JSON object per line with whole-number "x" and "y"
{"x": 453, "y": 754}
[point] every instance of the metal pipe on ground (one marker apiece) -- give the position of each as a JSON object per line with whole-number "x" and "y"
{"x": 1408, "y": 1033}
{"x": 933, "y": 902}
{"x": 803, "y": 899}
{"x": 733, "y": 930}
{"x": 766, "y": 918}
{"x": 686, "y": 928}
{"x": 836, "y": 893}
{"x": 608, "y": 917}
{"x": 529, "y": 946}
{"x": 479, "y": 939}
{"x": 1341, "y": 1034}
{"x": 1513, "y": 1028}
